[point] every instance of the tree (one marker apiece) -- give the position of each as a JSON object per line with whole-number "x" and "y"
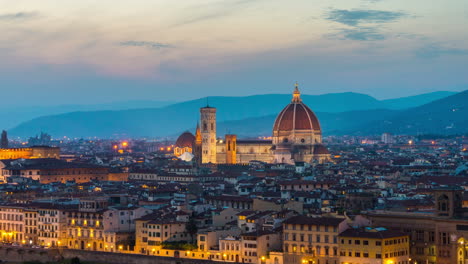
{"x": 191, "y": 227}
{"x": 75, "y": 260}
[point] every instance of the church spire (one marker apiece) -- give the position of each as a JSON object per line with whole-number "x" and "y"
{"x": 198, "y": 137}
{"x": 296, "y": 94}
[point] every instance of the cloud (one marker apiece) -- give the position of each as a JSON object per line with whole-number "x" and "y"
{"x": 214, "y": 10}
{"x": 360, "y": 34}
{"x": 18, "y": 16}
{"x": 433, "y": 50}
{"x": 357, "y": 17}
{"x": 146, "y": 44}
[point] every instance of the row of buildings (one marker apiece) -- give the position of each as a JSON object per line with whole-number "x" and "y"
{"x": 250, "y": 237}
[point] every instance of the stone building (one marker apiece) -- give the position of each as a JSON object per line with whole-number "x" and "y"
{"x": 312, "y": 240}
{"x": 297, "y": 137}
{"x": 53, "y": 170}
{"x": 435, "y": 237}
{"x": 184, "y": 144}
{"x": 30, "y": 153}
{"x": 373, "y": 246}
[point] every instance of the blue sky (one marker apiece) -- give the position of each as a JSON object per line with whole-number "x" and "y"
{"x": 68, "y": 51}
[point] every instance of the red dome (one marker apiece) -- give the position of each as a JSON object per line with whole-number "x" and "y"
{"x": 296, "y": 115}
{"x": 321, "y": 150}
{"x": 185, "y": 140}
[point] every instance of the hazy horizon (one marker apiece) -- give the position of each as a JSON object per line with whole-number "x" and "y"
{"x": 169, "y": 102}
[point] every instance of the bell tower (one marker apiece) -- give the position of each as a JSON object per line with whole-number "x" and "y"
{"x": 208, "y": 134}
{"x": 231, "y": 153}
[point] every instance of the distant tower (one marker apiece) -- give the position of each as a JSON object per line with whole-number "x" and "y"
{"x": 4, "y": 140}
{"x": 197, "y": 145}
{"x": 208, "y": 133}
{"x": 231, "y": 153}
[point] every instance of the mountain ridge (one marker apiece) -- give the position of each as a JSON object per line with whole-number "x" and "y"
{"x": 171, "y": 119}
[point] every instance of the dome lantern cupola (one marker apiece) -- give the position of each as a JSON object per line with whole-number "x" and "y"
{"x": 296, "y": 94}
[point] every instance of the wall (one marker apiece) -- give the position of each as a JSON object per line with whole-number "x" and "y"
{"x": 18, "y": 255}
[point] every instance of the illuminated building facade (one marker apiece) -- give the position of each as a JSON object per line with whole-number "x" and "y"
{"x": 184, "y": 144}
{"x": 152, "y": 230}
{"x": 51, "y": 225}
{"x": 374, "y": 246}
{"x": 30, "y": 153}
{"x": 85, "y": 225}
{"x": 312, "y": 240}
{"x": 297, "y": 137}
{"x": 11, "y": 224}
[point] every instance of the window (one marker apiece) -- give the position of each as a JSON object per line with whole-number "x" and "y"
{"x": 378, "y": 243}
{"x": 420, "y": 250}
{"x": 420, "y": 235}
{"x": 378, "y": 255}
{"x": 444, "y": 238}
{"x": 365, "y": 242}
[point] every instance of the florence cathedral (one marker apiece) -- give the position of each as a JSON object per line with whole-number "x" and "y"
{"x": 296, "y": 137}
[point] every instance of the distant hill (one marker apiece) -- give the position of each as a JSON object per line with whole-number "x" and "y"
{"x": 251, "y": 115}
{"x": 444, "y": 116}
{"x": 416, "y": 100}
{"x": 332, "y": 123}
{"x": 177, "y": 117}
{"x": 12, "y": 116}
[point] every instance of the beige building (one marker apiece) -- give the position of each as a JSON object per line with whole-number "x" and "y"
{"x": 30, "y": 226}
{"x": 12, "y": 225}
{"x": 373, "y": 246}
{"x": 52, "y": 225}
{"x": 152, "y": 230}
{"x": 312, "y": 240}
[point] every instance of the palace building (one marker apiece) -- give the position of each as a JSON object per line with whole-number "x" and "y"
{"x": 296, "y": 137}
{"x": 35, "y": 152}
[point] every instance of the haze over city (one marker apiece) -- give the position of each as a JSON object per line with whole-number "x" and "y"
{"x": 68, "y": 52}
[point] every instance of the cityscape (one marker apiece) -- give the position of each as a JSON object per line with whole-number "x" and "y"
{"x": 176, "y": 132}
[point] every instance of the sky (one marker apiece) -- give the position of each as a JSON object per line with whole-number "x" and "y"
{"x": 55, "y": 52}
